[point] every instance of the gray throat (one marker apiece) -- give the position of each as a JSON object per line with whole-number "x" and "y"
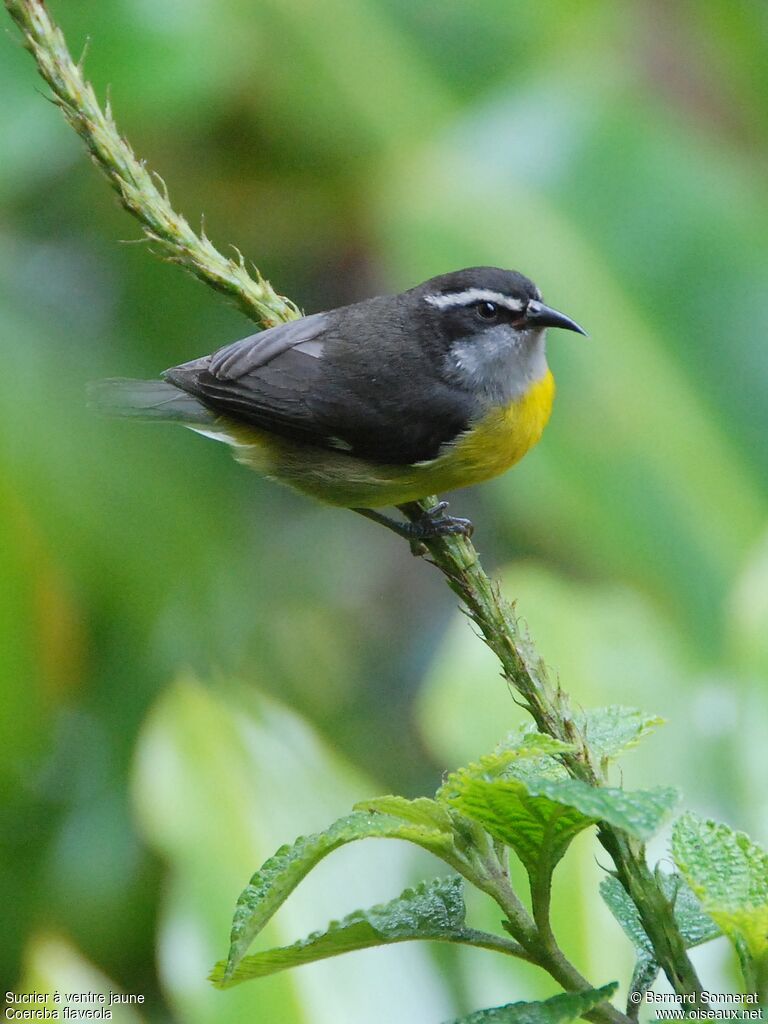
{"x": 499, "y": 365}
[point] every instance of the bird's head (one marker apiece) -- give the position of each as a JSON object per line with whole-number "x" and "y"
{"x": 490, "y": 324}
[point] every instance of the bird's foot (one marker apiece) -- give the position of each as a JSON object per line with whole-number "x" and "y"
{"x": 433, "y": 523}
{"x": 425, "y": 525}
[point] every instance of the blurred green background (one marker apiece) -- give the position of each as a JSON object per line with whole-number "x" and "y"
{"x": 196, "y": 665}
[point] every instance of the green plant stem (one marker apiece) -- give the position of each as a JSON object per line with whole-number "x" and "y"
{"x": 541, "y": 897}
{"x": 458, "y": 561}
{"x": 655, "y": 911}
{"x": 485, "y": 940}
{"x": 141, "y": 193}
{"x": 486, "y": 870}
{"x": 542, "y": 948}
{"x": 755, "y": 976}
{"x": 535, "y": 936}
{"x": 456, "y": 558}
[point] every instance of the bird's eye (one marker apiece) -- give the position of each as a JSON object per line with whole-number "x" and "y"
{"x": 487, "y": 310}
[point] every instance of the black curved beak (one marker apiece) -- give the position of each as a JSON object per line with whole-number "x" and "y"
{"x": 540, "y": 315}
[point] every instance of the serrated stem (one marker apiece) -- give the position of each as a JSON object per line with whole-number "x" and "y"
{"x": 655, "y": 911}
{"x": 171, "y": 234}
{"x": 523, "y": 667}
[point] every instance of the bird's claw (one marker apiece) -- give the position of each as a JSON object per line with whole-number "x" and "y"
{"x": 423, "y": 524}
{"x": 434, "y": 524}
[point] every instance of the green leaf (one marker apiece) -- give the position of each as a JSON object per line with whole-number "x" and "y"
{"x": 230, "y": 757}
{"x": 539, "y": 817}
{"x": 729, "y": 874}
{"x": 422, "y": 811}
{"x": 609, "y": 731}
{"x": 529, "y": 743}
{"x": 695, "y": 926}
{"x": 613, "y": 730}
{"x": 562, "y": 1009}
{"x": 522, "y": 752}
{"x": 279, "y": 876}
{"x": 538, "y": 829}
{"x": 645, "y": 972}
{"x": 433, "y": 910}
{"x": 625, "y": 912}
{"x": 639, "y": 813}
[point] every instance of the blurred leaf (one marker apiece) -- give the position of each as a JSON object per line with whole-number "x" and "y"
{"x": 279, "y": 876}
{"x": 748, "y": 612}
{"x": 695, "y": 926}
{"x": 604, "y": 642}
{"x": 468, "y": 48}
{"x": 171, "y": 58}
{"x": 27, "y": 130}
{"x": 52, "y": 964}
{"x": 729, "y": 874}
{"x": 27, "y": 568}
{"x": 351, "y": 55}
{"x": 221, "y": 775}
{"x": 433, "y": 910}
{"x": 558, "y": 1010}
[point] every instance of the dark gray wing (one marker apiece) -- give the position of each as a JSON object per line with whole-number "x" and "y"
{"x": 264, "y": 379}
{"x": 308, "y": 381}
{"x": 249, "y": 354}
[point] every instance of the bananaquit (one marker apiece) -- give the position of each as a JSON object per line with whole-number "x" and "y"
{"x": 379, "y": 403}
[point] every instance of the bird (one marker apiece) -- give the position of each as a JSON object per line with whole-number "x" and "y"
{"x": 380, "y": 403}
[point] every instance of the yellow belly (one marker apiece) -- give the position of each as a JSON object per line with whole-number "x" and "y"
{"x": 489, "y": 448}
{"x": 501, "y": 439}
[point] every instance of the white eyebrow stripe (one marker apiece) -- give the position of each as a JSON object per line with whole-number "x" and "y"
{"x": 470, "y": 295}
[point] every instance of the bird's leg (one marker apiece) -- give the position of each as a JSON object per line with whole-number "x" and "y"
{"x": 405, "y": 530}
{"x": 432, "y": 522}
{"x": 423, "y": 526}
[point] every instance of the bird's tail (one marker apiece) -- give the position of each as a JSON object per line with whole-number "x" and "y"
{"x": 147, "y": 400}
